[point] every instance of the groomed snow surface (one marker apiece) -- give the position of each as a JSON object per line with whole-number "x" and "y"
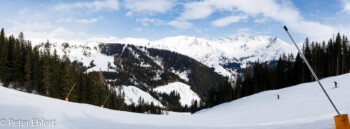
{"x": 300, "y": 107}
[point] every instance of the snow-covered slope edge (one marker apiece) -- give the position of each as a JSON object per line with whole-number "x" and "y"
{"x": 301, "y": 106}
{"x": 86, "y": 53}
{"x": 185, "y": 92}
{"x": 132, "y": 95}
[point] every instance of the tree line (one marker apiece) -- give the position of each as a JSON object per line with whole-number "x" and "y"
{"x": 326, "y": 58}
{"x": 26, "y": 68}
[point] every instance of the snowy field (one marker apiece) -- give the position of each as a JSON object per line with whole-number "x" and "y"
{"x": 300, "y": 107}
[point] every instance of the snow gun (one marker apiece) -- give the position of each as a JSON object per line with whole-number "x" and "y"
{"x": 70, "y": 92}
{"x": 341, "y": 120}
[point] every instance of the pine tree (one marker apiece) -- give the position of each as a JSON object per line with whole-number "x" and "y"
{"x": 298, "y": 70}
{"x": 55, "y": 76}
{"x": 211, "y": 98}
{"x": 307, "y": 54}
{"x": 330, "y": 56}
{"x": 47, "y": 72}
{"x": 68, "y": 81}
{"x": 344, "y": 55}
{"x": 2, "y": 38}
{"x": 337, "y": 55}
{"x": 37, "y": 71}
{"x": 280, "y": 70}
{"x": 238, "y": 86}
{"x": 4, "y": 62}
{"x": 28, "y": 69}
{"x": 17, "y": 65}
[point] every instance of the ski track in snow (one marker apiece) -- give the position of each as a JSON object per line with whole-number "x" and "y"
{"x": 303, "y": 106}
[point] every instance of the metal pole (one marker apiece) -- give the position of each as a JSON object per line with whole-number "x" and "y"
{"x": 312, "y": 71}
{"x": 121, "y": 106}
{"x": 71, "y": 90}
{"x": 106, "y": 99}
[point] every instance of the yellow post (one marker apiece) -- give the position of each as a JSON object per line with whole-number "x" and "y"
{"x": 66, "y": 99}
{"x": 101, "y": 106}
{"x": 342, "y": 122}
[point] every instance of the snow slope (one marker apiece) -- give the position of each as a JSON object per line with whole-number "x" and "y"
{"x": 186, "y": 94}
{"x": 133, "y": 94}
{"x": 85, "y": 53}
{"x": 301, "y": 107}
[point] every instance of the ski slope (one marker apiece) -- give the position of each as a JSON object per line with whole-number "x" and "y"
{"x": 302, "y": 106}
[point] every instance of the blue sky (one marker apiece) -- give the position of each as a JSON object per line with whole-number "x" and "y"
{"x": 111, "y": 20}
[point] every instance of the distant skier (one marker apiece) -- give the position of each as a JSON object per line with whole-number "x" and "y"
{"x": 335, "y": 84}
{"x": 278, "y": 96}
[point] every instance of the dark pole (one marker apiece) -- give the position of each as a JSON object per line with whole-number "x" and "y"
{"x": 312, "y": 71}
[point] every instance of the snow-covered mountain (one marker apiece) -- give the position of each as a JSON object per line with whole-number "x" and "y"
{"x": 223, "y": 54}
{"x": 137, "y": 70}
{"x": 300, "y": 106}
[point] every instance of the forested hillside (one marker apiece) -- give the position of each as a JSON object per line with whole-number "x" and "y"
{"x": 25, "y": 68}
{"x": 330, "y": 58}
{"x": 150, "y": 68}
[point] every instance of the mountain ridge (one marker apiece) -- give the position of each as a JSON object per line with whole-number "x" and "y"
{"x": 239, "y": 48}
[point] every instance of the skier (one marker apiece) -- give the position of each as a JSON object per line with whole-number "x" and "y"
{"x": 335, "y": 84}
{"x": 278, "y": 96}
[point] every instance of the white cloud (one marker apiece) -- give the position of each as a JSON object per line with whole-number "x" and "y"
{"x": 346, "y": 7}
{"x": 281, "y": 11}
{"x": 196, "y": 10}
{"x": 129, "y": 13}
{"x": 261, "y": 20}
{"x": 181, "y": 24}
{"x": 39, "y": 32}
{"x": 137, "y": 29}
{"x": 31, "y": 26}
{"x": 243, "y": 30}
{"x": 87, "y": 21}
{"x": 313, "y": 30}
{"x": 24, "y": 11}
{"x": 104, "y": 39}
{"x": 228, "y": 20}
{"x": 148, "y": 6}
{"x": 92, "y": 6}
{"x": 147, "y": 21}
{"x": 81, "y": 21}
